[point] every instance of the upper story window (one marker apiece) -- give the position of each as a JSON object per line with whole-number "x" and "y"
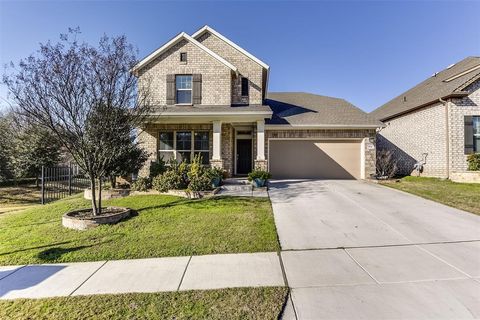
{"x": 183, "y": 57}
{"x": 183, "y": 85}
{"x": 244, "y": 87}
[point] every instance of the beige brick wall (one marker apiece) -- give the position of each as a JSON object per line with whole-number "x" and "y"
{"x": 413, "y": 134}
{"x": 459, "y": 108}
{"x": 246, "y": 67}
{"x": 216, "y": 77}
{"x": 148, "y": 139}
{"x": 370, "y": 152}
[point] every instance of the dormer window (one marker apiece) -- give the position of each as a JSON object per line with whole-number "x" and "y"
{"x": 183, "y": 57}
{"x": 244, "y": 87}
{"x": 183, "y": 84}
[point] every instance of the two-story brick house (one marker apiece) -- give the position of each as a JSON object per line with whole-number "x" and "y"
{"x": 436, "y": 122}
{"x": 210, "y": 97}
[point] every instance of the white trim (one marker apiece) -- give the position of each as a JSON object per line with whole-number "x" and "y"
{"x": 319, "y": 139}
{"x": 217, "y": 113}
{"x": 462, "y": 73}
{"x": 251, "y": 56}
{"x": 170, "y": 43}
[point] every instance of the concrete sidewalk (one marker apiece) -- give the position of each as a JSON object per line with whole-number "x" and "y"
{"x": 141, "y": 275}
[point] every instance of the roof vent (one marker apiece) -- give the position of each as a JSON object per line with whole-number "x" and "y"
{"x": 404, "y": 98}
{"x": 450, "y": 65}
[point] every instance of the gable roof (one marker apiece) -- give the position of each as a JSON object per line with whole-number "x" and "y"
{"x": 447, "y": 83}
{"x": 231, "y": 43}
{"x": 300, "y": 109}
{"x": 176, "y": 39}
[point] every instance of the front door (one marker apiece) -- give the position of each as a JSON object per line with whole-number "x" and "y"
{"x": 244, "y": 156}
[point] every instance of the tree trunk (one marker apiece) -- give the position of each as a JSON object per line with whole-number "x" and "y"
{"x": 100, "y": 195}
{"x": 94, "y": 200}
{"x": 113, "y": 181}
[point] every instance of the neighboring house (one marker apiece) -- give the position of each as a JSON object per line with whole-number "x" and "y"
{"x": 437, "y": 121}
{"x": 211, "y": 97}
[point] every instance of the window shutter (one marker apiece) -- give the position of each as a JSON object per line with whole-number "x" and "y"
{"x": 197, "y": 89}
{"x": 170, "y": 89}
{"x": 468, "y": 134}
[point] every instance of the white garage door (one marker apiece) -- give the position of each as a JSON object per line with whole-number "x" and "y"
{"x": 315, "y": 159}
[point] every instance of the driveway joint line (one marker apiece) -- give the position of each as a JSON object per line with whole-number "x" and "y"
{"x": 444, "y": 261}
{"x": 282, "y": 267}
{"x": 184, "y": 272}
{"x": 81, "y": 284}
{"x": 293, "y": 304}
{"x": 14, "y": 271}
{"x": 358, "y": 263}
{"x": 381, "y": 246}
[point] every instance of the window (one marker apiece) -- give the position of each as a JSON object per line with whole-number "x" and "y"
{"x": 183, "y": 145}
{"x": 201, "y": 145}
{"x": 244, "y": 87}
{"x": 476, "y": 134}
{"x": 183, "y": 56}
{"x": 183, "y": 84}
{"x": 166, "y": 146}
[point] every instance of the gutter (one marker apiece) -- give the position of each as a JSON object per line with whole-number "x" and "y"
{"x": 323, "y": 126}
{"x": 447, "y": 134}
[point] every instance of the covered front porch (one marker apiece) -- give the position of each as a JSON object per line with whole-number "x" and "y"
{"x": 233, "y": 141}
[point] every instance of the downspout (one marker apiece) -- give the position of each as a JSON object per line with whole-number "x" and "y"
{"x": 447, "y": 131}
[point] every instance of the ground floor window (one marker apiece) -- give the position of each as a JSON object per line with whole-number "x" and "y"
{"x": 476, "y": 133}
{"x": 183, "y": 145}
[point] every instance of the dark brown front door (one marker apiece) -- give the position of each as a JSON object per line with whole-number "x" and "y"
{"x": 244, "y": 156}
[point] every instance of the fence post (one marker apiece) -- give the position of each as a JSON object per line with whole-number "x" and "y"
{"x": 43, "y": 185}
{"x": 69, "y": 179}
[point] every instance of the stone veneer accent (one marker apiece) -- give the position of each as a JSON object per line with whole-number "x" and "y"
{"x": 369, "y": 134}
{"x": 425, "y": 131}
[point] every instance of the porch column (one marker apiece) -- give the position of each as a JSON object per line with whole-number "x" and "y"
{"x": 217, "y": 140}
{"x": 261, "y": 140}
{"x": 260, "y": 161}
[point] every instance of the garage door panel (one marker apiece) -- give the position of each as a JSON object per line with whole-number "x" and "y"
{"x": 314, "y": 159}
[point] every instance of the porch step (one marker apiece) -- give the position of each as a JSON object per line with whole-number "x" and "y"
{"x": 237, "y": 184}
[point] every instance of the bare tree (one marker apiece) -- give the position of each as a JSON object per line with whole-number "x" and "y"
{"x": 86, "y": 96}
{"x": 386, "y": 164}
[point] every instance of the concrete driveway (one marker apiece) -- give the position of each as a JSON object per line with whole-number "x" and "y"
{"x": 356, "y": 250}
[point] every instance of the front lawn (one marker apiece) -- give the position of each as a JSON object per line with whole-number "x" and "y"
{"x": 464, "y": 196}
{"x": 165, "y": 226}
{"x": 239, "y": 303}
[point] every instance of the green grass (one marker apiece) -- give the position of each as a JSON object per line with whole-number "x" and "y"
{"x": 164, "y": 226}
{"x": 464, "y": 196}
{"x": 239, "y": 303}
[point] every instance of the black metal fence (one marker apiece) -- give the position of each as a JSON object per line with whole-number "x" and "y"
{"x": 60, "y": 182}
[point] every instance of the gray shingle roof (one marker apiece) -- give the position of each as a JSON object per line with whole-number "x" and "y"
{"x": 430, "y": 90}
{"x": 306, "y": 109}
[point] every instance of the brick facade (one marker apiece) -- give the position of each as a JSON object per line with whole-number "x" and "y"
{"x": 216, "y": 77}
{"x": 246, "y": 67}
{"x": 425, "y": 131}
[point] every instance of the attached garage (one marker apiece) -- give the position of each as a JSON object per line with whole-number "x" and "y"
{"x": 315, "y": 159}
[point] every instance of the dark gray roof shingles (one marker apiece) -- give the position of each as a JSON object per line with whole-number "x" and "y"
{"x": 430, "y": 90}
{"x": 306, "y": 109}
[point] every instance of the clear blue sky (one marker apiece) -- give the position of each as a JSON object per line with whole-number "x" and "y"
{"x": 365, "y": 52}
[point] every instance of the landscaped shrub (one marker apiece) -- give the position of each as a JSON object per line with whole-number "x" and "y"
{"x": 157, "y": 167}
{"x": 474, "y": 162}
{"x": 259, "y": 174}
{"x": 386, "y": 164}
{"x": 215, "y": 175}
{"x": 141, "y": 184}
{"x": 198, "y": 179}
{"x": 169, "y": 180}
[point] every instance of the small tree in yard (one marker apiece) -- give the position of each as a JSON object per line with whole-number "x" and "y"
{"x": 5, "y": 136}
{"x": 87, "y": 97}
{"x": 386, "y": 164}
